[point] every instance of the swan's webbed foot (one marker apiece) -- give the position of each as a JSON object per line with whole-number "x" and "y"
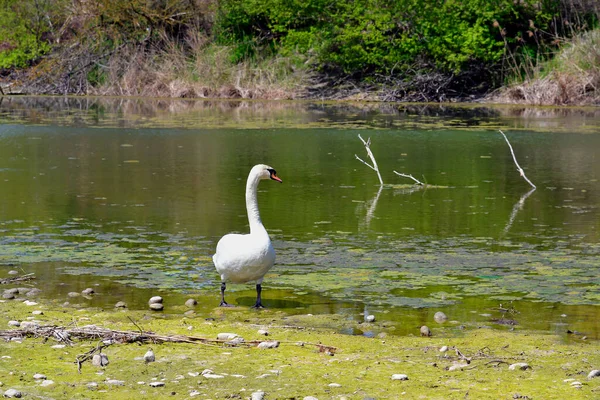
{"x": 258, "y": 305}
{"x": 223, "y": 302}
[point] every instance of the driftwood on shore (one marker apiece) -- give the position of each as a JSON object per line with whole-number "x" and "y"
{"x": 108, "y": 337}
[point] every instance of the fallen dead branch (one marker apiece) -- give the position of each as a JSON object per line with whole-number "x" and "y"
{"x": 19, "y": 278}
{"x": 521, "y": 172}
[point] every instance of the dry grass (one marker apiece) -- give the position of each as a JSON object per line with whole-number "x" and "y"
{"x": 197, "y": 69}
{"x": 572, "y": 77}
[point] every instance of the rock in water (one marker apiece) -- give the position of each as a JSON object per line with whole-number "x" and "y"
{"x": 425, "y": 331}
{"x": 440, "y": 317}
{"x": 156, "y": 306}
{"x": 155, "y": 299}
{"x": 191, "y": 303}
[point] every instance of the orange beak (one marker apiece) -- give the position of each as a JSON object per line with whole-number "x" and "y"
{"x": 276, "y": 178}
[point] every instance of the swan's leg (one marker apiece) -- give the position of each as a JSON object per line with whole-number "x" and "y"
{"x": 258, "y": 300}
{"x": 223, "y": 302}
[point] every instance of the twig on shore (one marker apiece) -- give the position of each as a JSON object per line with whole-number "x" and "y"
{"x": 374, "y": 167}
{"x": 418, "y": 182}
{"x": 20, "y": 278}
{"x": 516, "y": 163}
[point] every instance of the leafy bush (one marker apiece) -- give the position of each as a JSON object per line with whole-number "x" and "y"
{"x": 24, "y": 28}
{"x": 364, "y": 37}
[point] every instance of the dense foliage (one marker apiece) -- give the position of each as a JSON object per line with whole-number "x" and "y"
{"x": 363, "y": 37}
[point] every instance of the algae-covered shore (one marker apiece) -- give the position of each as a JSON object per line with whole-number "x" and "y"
{"x": 312, "y": 359}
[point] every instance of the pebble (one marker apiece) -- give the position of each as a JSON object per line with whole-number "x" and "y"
{"x": 13, "y": 393}
{"x": 37, "y": 312}
{"x": 195, "y": 393}
{"x": 577, "y": 384}
{"x": 100, "y": 360}
{"x": 33, "y": 292}
{"x": 59, "y": 346}
{"x": 310, "y": 398}
{"x": 191, "y": 303}
{"x": 156, "y": 306}
{"x": 425, "y": 331}
{"x": 272, "y": 344}
{"x": 14, "y": 323}
{"x": 121, "y": 304}
{"x": 28, "y": 325}
{"x": 156, "y": 384}
{"x": 87, "y": 291}
{"x": 370, "y": 318}
{"x": 443, "y": 349}
{"x": 30, "y": 303}
{"x": 13, "y": 272}
{"x": 213, "y": 376}
{"x": 149, "y": 356}
{"x": 440, "y": 317}
{"x": 115, "y": 382}
{"x": 594, "y": 374}
{"x": 457, "y": 367}
{"x": 226, "y": 336}
{"x": 39, "y": 376}
{"x": 521, "y": 366}
{"x": 193, "y": 374}
{"x": 334, "y": 385}
{"x": 73, "y": 294}
{"x": 155, "y": 300}
{"x": 235, "y": 341}
{"x": 258, "y": 395}
{"x": 92, "y": 385}
{"x": 263, "y": 332}
{"x": 399, "y": 377}
{"x": 47, "y": 382}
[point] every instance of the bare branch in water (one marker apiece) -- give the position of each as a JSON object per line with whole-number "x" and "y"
{"x": 516, "y": 163}
{"x": 374, "y": 167}
{"x": 418, "y": 182}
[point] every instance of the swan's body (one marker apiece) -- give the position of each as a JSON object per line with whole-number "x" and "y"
{"x": 245, "y": 258}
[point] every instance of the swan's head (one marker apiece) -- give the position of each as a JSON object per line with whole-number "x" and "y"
{"x": 265, "y": 172}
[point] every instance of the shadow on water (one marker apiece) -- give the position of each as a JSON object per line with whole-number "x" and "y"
{"x": 130, "y": 196}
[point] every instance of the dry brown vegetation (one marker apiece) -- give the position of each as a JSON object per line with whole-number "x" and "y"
{"x": 572, "y": 77}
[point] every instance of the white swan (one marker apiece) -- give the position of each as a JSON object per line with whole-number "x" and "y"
{"x": 245, "y": 258}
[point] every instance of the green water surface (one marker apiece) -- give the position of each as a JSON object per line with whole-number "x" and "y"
{"x": 132, "y": 195}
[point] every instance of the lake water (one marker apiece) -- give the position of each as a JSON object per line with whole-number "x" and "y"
{"x": 132, "y": 195}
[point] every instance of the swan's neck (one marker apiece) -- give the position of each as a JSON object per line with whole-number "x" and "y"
{"x": 256, "y": 224}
